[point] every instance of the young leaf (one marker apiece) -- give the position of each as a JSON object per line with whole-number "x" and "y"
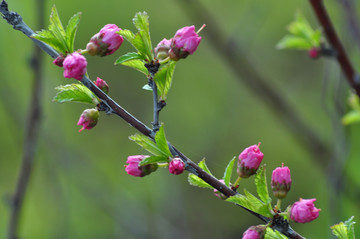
{"x": 147, "y": 87}
{"x": 137, "y": 65}
{"x": 261, "y": 185}
{"x": 273, "y": 234}
{"x": 161, "y": 141}
{"x": 294, "y": 42}
{"x": 128, "y": 57}
{"x": 154, "y": 159}
{"x": 351, "y": 117}
{"x": 344, "y": 230}
{"x": 141, "y": 22}
{"x": 57, "y": 28}
{"x": 196, "y": 181}
{"x": 148, "y": 145}
{"x": 47, "y": 37}
{"x": 228, "y": 171}
{"x": 163, "y": 78}
{"x": 71, "y": 30}
{"x": 75, "y": 93}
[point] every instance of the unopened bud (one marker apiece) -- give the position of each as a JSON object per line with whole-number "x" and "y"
{"x": 88, "y": 119}
{"x": 184, "y": 43}
{"x": 255, "y": 232}
{"x": 281, "y": 182}
{"x": 176, "y": 166}
{"x": 314, "y": 53}
{"x": 249, "y": 161}
{"x": 102, "y": 85}
{"x": 304, "y": 211}
{"x": 161, "y": 51}
{"x": 59, "y": 60}
{"x": 133, "y": 168}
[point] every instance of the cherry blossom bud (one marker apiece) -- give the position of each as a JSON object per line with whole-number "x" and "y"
{"x": 75, "y": 66}
{"x": 304, "y": 211}
{"x": 255, "y": 232}
{"x": 249, "y": 161}
{"x": 59, "y": 60}
{"x": 134, "y": 169}
{"x": 161, "y": 51}
{"x": 314, "y": 53}
{"x": 106, "y": 41}
{"x": 281, "y": 182}
{"x": 184, "y": 43}
{"x": 176, "y": 166}
{"x": 102, "y": 85}
{"x": 219, "y": 194}
{"x": 88, "y": 119}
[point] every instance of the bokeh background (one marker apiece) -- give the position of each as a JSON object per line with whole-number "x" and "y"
{"x": 78, "y": 187}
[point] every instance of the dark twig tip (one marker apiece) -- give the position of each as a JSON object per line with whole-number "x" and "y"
{"x": 4, "y": 5}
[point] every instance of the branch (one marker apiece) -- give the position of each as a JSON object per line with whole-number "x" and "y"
{"x": 31, "y": 135}
{"x": 352, "y": 78}
{"x": 115, "y": 108}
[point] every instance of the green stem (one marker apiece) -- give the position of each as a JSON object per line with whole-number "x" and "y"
{"x": 237, "y": 182}
{"x": 278, "y": 204}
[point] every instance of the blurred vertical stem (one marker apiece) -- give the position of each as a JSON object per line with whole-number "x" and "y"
{"x": 32, "y": 129}
{"x": 329, "y": 30}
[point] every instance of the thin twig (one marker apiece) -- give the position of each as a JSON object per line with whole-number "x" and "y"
{"x": 343, "y": 60}
{"x": 31, "y": 137}
{"x": 118, "y": 110}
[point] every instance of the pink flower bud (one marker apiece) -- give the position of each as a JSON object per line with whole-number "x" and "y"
{"x": 304, "y": 211}
{"x": 314, "y": 53}
{"x": 219, "y": 194}
{"x": 161, "y": 51}
{"x": 255, "y": 232}
{"x": 88, "y": 119}
{"x": 281, "y": 182}
{"x": 74, "y": 66}
{"x": 59, "y": 60}
{"x": 176, "y": 166}
{"x": 105, "y": 42}
{"x": 249, "y": 161}
{"x": 184, "y": 43}
{"x": 134, "y": 169}
{"x": 102, "y": 85}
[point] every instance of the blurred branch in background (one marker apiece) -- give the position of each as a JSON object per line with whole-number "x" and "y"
{"x": 32, "y": 129}
{"x": 247, "y": 72}
{"x": 350, "y": 16}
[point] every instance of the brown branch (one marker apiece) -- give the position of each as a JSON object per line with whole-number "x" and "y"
{"x": 343, "y": 60}
{"x": 31, "y": 136}
{"x": 110, "y": 106}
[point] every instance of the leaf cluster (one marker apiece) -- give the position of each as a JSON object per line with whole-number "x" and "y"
{"x": 56, "y": 36}
{"x": 344, "y": 230}
{"x": 354, "y": 115}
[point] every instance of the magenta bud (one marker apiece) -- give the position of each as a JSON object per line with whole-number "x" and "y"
{"x": 249, "y": 161}
{"x": 281, "y": 182}
{"x": 184, "y": 43}
{"x": 314, "y": 53}
{"x": 255, "y": 232}
{"x": 304, "y": 211}
{"x": 75, "y": 66}
{"x": 176, "y": 166}
{"x": 106, "y": 41}
{"x": 134, "y": 169}
{"x": 219, "y": 194}
{"x": 161, "y": 51}
{"x": 59, "y": 60}
{"x": 88, "y": 119}
{"x": 102, "y": 85}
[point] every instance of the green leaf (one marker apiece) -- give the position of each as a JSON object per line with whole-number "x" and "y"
{"x": 149, "y": 145}
{"x": 196, "y": 181}
{"x": 273, "y": 234}
{"x": 163, "y": 78}
{"x": 141, "y": 22}
{"x": 161, "y": 141}
{"x": 251, "y": 202}
{"x": 71, "y": 30}
{"x": 351, "y": 117}
{"x": 137, "y": 65}
{"x": 128, "y": 57}
{"x": 154, "y": 159}
{"x": 344, "y": 230}
{"x": 228, "y": 171}
{"x": 75, "y": 93}
{"x": 294, "y": 42}
{"x": 57, "y": 28}
{"x": 49, "y": 38}
{"x": 261, "y": 185}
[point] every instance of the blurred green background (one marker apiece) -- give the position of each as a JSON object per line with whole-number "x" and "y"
{"x": 79, "y": 188}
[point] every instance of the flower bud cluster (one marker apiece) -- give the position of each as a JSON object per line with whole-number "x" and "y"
{"x": 184, "y": 43}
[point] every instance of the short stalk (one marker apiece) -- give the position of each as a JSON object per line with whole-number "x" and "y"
{"x": 278, "y": 204}
{"x": 237, "y": 182}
